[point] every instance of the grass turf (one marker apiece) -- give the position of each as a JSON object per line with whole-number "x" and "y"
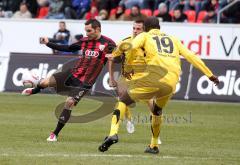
{"x": 192, "y": 133}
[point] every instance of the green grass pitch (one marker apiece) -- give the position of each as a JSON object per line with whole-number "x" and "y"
{"x": 192, "y": 133}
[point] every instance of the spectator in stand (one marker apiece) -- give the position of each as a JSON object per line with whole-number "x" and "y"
{"x": 107, "y": 5}
{"x": 56, "y": 9}
{"x": 178, "y": 15}
{"x": 42, "y": 2}
{"x": 163, "y": 13}
{"x": 23, "y": 12}
{"x": 62, "y": 36}
{"x": 92, "y": 13}
{"x": 157, "y": 3}
{"x": 119, "y": 15}
{"x": 32, "y": 6}
{"x": 148, "y": 4}
{"x": 135, "y": 14}
{"x": 130, "y": 3}
{"x": 211, "y": 4}
{"x": 69, "y": 11}
{"x": 232, "y": 14}
{"x": 211, "y": 16}
{"x": 81, "y": 6}
{"x": 103, "y": 15}
{"x": 5, "y": 8}
{"x": 172, "y": 4}
{"x": 193, "y": 5}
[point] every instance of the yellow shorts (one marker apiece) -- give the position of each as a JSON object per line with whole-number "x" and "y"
{"x": 151, "y": 88}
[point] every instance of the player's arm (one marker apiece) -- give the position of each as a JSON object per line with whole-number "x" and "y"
{"x": 66, "y": 48}
{"x": 191, "y": 57}
{"x": 112, "y": 82}
{"x": 110, "y": 49}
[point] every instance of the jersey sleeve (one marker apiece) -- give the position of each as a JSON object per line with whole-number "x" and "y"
{"x": 111, "y": 46}
{"x": 194, "y": 59}
{"x": 119, "y": 50}
{"x": 138, "y": 41}
{"x": 67, "y": 48}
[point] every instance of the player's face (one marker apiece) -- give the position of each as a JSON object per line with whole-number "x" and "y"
{"x": 91, "y": 32}
{"x": 62, "y": 26}
{"x": 137, "y": 29}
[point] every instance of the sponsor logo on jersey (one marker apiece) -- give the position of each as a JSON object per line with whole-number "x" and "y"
{"x": 101, "y": 47}
{"x": 91, "y": 53}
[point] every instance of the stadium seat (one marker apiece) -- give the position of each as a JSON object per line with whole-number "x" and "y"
{"x": 201, "y": 16}
{"x": 113, "y": 12}
{"x": 146, "y": 12}
{"x": 171, "y": 12}
{"x": 43, "y": 12}
{"x": 127, "y": 12}
{"x": 156, "y": 12}
{"x": 191, "y": 15}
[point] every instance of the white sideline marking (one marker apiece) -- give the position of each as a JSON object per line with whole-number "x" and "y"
{"x": 86, "y": 155}
{"x": 108, "y": 155}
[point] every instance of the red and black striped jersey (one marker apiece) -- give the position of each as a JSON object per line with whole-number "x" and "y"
{"x": 92, "y": 57}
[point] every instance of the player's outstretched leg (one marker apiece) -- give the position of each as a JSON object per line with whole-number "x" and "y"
{"x": 63, "y": 119}
{"x": 43, "y": 83}
{"x": 117, "y": 116}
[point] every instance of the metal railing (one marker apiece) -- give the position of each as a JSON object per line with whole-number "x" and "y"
{"x": 223, "y": 9}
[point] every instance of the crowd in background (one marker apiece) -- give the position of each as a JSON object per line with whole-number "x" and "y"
{"x": 129, "y": 10}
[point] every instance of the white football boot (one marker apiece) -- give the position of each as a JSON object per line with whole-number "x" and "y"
{"x": 130, "y": 127}
{"x": 27, "y": 92}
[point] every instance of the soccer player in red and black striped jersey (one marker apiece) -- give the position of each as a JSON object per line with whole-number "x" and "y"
{"x": 93, "y": 51}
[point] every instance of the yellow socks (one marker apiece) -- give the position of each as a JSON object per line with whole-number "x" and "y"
{"x": 155, "y": 127}
{"x": 128, "y": 114}
{"x": 117, "y": 116}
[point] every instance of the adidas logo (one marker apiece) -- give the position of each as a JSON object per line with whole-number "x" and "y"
{"x": 230, "y": 81}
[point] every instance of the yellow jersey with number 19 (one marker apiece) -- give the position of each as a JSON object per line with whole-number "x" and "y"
{"x": 164, "y": 51}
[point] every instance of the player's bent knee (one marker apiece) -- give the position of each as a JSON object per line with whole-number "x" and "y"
{"x": 44, "y": 83}
{"x": 117, "y": 113}
{"x": 126, "y": 99}
{"x": 70, "y": 103}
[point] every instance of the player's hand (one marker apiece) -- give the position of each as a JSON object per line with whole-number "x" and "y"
{"x": 109, "y": 56}
{"x": 44, "y": 40}
{"x": 214, "y": 79}
{"x": 112, "y": 83}
{"x": 128, "y": 75}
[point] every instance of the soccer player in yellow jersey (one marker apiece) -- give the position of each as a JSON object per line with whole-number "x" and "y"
{"x": 161, "y": 74}
{"x": 123, "y": 57}
{"x": 129, "y": 64}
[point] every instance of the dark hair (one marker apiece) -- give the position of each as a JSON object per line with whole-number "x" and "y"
{"x": 137, "y": 6}
{"x": 95, "y": 23}
{"x": 139, "y": 21}
{"x": 24, "y": 3}
{"x": 151, "y": 23}
{"x": 63, "y": 22}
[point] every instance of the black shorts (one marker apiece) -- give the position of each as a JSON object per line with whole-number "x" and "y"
{"x": 68, "y": 85}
